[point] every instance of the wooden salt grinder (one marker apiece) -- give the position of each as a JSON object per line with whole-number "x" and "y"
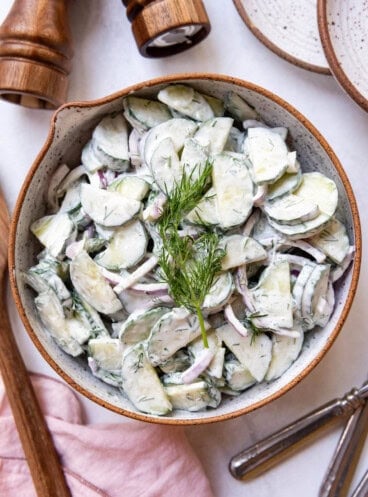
{"x": 166, "y": 27}
{"x": 35, "y": 53}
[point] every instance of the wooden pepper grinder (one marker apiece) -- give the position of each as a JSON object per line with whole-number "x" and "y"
{"x": 35, "y": 53}
{"x": 166, "y": 27}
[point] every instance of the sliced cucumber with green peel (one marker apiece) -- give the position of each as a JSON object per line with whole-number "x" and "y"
{"x": 144, "y": 114}
{"x": 205, "y": 213}
{"x": 89, "y": 159}
{"x": 237, "y": 376}
{"x": 177, "y": 129}
{"x": 214, "y": 133}
{"x": 165, "y": 165}
{"x": 219, "y": 293}
{"x": 239, "y": 108}
{"x": 139, "y": 324}
{"x": 172, "y": 332}
{"x": 142, "y": 384}
{"x": 217, "y": 105}
{"x": 106, "y": 207}
{"x": 285, "y": 350}
{"x": 267, "y": 153}
{"x": 288, "y": 183}
{"x": 302, "y": 230}
{"x": 52, "y": 316}
{"x": 233, "y": 188}
{"x": 193, "y": 158}
{"x": 111, "y": 138}
{"x": 315, "y": 287}
{"x": 107, "y": 353}
{"x": 240, "y": 250}
{"x": 192, "y": 397}
{"x": 291, "y": 209}
{"x": 332, "y": 241}
{"x": 130, "y": 186}
{"x": 53, "y": 232}
{"x": 126, "y": 248}
{"x": 252, "y": 351}
{"x": 88, "y": 281}
{"x": 272, "y": 298}
{"x": 187, "y": 101}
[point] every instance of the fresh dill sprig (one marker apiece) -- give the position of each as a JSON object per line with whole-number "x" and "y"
{"x": 189, "y": 266}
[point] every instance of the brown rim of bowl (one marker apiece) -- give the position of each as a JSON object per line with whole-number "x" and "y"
{"x": 334, "y": 64}
{"x": 147, "y": 84}
{"x": 274, "y": 48}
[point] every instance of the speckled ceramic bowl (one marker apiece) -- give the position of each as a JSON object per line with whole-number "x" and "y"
{"x": 71, "y": 127}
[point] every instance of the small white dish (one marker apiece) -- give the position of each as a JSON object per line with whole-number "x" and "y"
{"x": 287, "y": 27}
{"x": 343, "y": 26}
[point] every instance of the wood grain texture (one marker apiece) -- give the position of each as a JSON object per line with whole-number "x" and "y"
{"x": 153, "y": 18}
{"x": 35, "y": 53}
{"x": 36, "y": 440}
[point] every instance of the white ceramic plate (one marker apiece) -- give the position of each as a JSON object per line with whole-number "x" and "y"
{"x": 343, "y": 26}
{"x": 287, "y": 27}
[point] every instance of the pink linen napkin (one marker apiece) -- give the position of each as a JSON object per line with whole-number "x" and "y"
{"x": 132, "y": 459}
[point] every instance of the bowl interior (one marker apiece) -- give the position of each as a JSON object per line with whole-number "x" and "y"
{"x": 73, "y": 126}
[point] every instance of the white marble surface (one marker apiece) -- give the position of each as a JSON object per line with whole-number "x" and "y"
{"x": 106, "y": 60}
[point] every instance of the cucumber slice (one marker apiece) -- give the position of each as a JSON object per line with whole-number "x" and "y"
{"x": 234, "y": 190}
{"x": 315, "y": 287}
{"x": 165, "y": 165}
{"x": 272, "y": 297}
{"x": 268, "y": 155}
{"x": 239, "y": 108}
{"x": 187, "y": 101}
{"x": 108, "y": 208}
{"x": 107, "y": 353}
{"x": 89, "y": 316}
{"x": 237, "y": 376}
{"x": 141, "y": 383}
{"x": 193, "y": 158}
{"x": 302, "y": 230}
{"x": 52, "y": 316}
{"x": 298, "y": 288}
{"x": 325, "y": 306}
{"x": 130, "y": 186}
{"x": 192, "y": 397}
{"x": 92, "y": 286}
{"x": 139, "y": 324}
{"x": 252, "y": 351}
{"x": 285, "y": 351}
{"x": 176, "y": 364}
{"x": 240, "y": 250}
{"x": 206, "y": 211}
{"x": 332, "y": 241}
{"x": 235, "y": 140}
{"x": 317, "y": 188}
{"x": 111, "y": 138}
{"x": 172, "y": 332}
{"x": 219, "y": 293}
{"x": 284, "y": 185}
{"x": 126, "y": 248}
{"x": 216, "y": 105}
{"x": 214, "y": 133}
{"x": 144, "y": 114}
{"x": 177, "y": 129}
{"x": 291, "y": 209}
{"x": 89, "y": 159}
{"x": 53, "y": 232}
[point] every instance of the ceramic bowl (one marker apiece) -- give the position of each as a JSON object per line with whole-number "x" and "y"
{"x": 71, "y": 127}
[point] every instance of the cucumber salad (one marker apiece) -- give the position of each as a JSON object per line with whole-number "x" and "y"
{"x": 189, "y": 254}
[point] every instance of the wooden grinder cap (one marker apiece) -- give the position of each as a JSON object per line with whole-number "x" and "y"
{"x": 166, "y": 27}
{"x": 35, "y": 54}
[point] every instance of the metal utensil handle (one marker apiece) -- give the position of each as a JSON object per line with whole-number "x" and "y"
{"x": 264, "y": 451}
{"x": 343, "y": 456}
{"x": 362, "y": 488}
